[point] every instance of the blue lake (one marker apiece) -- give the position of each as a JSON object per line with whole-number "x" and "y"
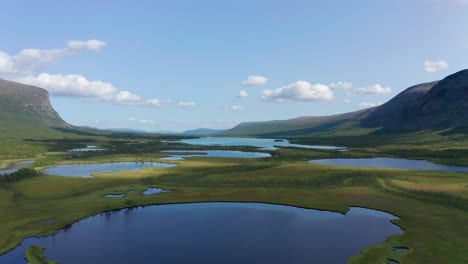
{"x": 390, "y": 163}
{"x": 214, "y": 233}
{"x": 16, "y": 166}
{"x": 151, "y": 191}
{"x": 264, "y": 143}
{"x": 87, "y": 170}
{"x": 213, "y": 154}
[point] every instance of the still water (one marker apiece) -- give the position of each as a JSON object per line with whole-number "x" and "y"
{"x": 213, "y": 154}
{"x": 264, "y": 143}
{"x": 87, "y": 170}
{"x": 391, "y": 163}
{"x": 16, "y": 166}
{"x": 215, "y": 233}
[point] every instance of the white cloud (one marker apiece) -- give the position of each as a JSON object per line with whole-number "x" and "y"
{"x": 28, "y": 64}
{"x": 155, "y": 103}
{"x": 33, "y": 61}
{"x": 368, "y": 104}
{"x": 233, "y": 108}
{"x": 187, "y": 104}
{"x": 125, "y": 97}
{"x": 145, "y": 121}
{"x": 71, "y": 85}
{"x": 299, "y": 91}
{"x": 341, "y": 85}
{"x": 78, "y": 45}
{"x": 347, "y": 101}
{"x": 255, "y": 80}
{"x": 435, "y": 66}
{"x": 375, "y": 89}
{"x": 243, "y": 94}
{"x": 6, "y": 64}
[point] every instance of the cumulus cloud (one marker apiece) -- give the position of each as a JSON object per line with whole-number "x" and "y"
{"x": 368, "y": 104}
{"x": 154, "y": 103}
{"x": 435, "y": 66}
{"x": 6, "y": 64}
{"x": 243, "y": 94}
{"x": 375, "y": 89}
{"x": 70, "y": 85}
{"x": 27, "y": 67}
{"x": 125, "y": 97}
{"x": 341, "y": 85}
{"x": 233, "y": 108}
{"x": 299, "y": 91}
{"x": 255, "y": 80}
{"x": 73, "y": 85}
{"x": 33, "y": 61}
{"x": 78, "y": 45}
{"x": 186, "y": 104}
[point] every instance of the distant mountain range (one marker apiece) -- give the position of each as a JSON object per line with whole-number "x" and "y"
{"x": 435, "y": 105}
{"x": 25, "y": 111}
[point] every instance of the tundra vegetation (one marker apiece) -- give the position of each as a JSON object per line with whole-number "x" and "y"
{"x": 433, "y": 206}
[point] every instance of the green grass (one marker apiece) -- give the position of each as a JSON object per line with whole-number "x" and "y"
{"x": 432, "y": 205}
{"x": 35, "y": 255}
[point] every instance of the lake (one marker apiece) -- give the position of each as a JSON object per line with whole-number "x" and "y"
{"x": 214, "y": 154}
{"x": 88, "y": 149}
{"x": 390, "y": 163}
{"x": 16, "y": 166}
{"x": 87, "y": 170}
{"x": 263, "y": 143}
{"x": 215, "y": 233}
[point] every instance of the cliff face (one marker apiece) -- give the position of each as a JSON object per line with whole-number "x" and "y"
{"x": 25, "y": 105}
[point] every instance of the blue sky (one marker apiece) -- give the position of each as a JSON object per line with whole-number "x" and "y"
{"x": 175, "y": 65}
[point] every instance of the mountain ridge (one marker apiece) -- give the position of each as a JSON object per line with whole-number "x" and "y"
{"x": 432, "y": 105}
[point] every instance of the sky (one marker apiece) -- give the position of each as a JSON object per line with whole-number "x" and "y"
{"x": 175, "y": 65}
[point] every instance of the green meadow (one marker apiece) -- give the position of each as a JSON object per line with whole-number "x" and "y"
{"x": 432, "y": 206}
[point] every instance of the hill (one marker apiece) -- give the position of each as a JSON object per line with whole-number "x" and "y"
{"x": 435, "y": 105}
{"x": 26, "y": 109}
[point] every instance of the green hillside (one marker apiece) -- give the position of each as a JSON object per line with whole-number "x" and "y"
{"x": 25, "y": 112}
{"x": 429, "y": 106}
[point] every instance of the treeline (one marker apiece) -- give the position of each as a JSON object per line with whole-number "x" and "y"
{"x": 18, "y": 175}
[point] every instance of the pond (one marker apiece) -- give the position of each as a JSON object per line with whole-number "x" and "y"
{"x": 215, "y": 233}
{"x": 87, "y": 170}
{"x": 390, "y": 163}
{"x": 214, "y": 154}
{"x": 10, "y": 168}
{"x": 151, "y": 191}
{"x": 88, "y": 149}
{"x": 119, "y": 195}
{"x": 264, "y": 143}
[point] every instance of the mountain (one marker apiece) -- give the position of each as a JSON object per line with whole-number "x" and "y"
{"x": 426, "y": 106}
{"x": 434, "y": 105}
{"x": 26, "y": 109}
{"x": 203, "y": 131}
